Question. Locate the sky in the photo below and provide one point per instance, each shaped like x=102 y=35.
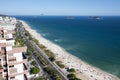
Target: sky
x=60 y=7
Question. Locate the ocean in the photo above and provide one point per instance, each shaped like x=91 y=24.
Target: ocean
x=95 y=41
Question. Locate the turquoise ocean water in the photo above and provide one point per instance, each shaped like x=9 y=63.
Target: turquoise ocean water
x=95 y=41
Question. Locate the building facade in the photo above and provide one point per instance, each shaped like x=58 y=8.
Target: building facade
x=12 y=59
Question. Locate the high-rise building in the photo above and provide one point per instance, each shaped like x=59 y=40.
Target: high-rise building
x=12 y=59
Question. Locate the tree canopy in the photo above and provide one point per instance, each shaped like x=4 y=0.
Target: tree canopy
x=35 y=70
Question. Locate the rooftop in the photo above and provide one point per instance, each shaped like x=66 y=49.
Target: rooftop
x=17 y=49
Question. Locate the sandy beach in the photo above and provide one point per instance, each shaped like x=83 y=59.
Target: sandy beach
x=84 y=71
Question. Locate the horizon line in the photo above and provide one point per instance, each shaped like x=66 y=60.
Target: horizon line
x=64 y=15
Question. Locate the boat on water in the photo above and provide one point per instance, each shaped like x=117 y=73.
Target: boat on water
x=95 y=17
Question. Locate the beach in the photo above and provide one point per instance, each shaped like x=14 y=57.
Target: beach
x=84 y=71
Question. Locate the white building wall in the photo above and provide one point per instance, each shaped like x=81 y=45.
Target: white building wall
x=19 y=77
x=10 y=35
x=8 y=48
x=12 y=42
x=19 y=66
x=8 y=27
x=18 y=57
x=5 y=30
x=2 y=41
x=7 y=62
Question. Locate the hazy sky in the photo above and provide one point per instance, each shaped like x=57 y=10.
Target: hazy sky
x=60 y=7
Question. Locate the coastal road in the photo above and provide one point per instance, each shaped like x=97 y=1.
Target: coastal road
x=45 y=74
x=21 y=31
x=46 y=57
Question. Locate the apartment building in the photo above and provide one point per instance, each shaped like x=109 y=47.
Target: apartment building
x=7 y=36
x=12 y=59
x=8 y=22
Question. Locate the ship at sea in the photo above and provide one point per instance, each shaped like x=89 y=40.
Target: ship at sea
x=96 y=17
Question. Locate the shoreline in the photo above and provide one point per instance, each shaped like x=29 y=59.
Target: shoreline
x=84 y=70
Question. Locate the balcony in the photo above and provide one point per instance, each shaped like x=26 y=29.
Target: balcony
x=12 y=70
x=15 y=74
x=15 y=62
x=11 y=58
x=6 y=37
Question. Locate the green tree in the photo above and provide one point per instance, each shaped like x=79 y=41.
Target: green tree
x=71 y=76
x=59 y=63
x=56 y=77
x=33 y=63
x=19 y=41
x=30 y=58
x=71 y=70
x=52 y=58
x=35 y=70
x=28 y=52
x=76 y=79
x=28 y=34
x=35 y=40
x=49 y=70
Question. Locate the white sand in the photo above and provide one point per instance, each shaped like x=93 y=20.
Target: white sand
x=83 y=70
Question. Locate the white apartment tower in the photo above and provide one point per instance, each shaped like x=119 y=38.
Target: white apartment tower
x=12 y=59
